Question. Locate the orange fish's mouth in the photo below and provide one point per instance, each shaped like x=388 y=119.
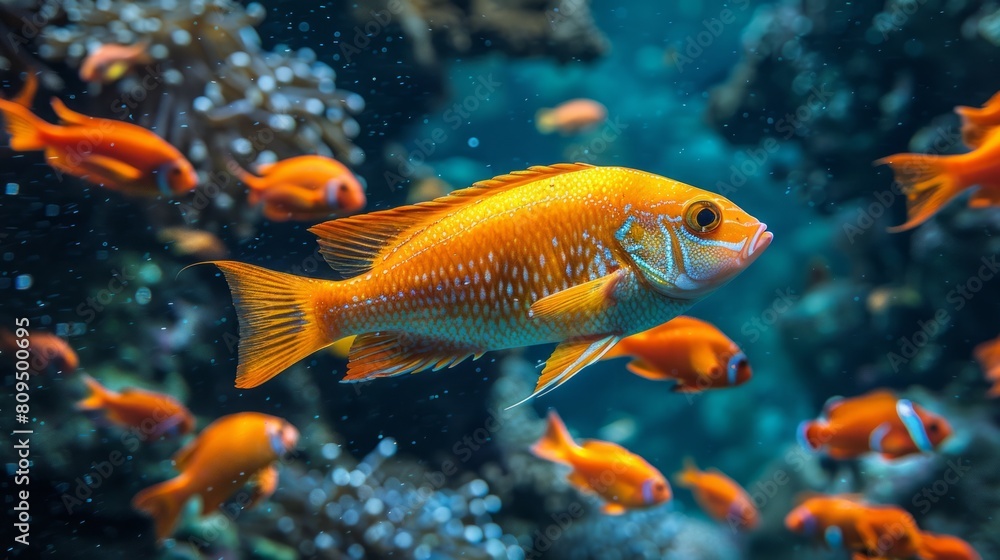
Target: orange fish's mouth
x=761 y=240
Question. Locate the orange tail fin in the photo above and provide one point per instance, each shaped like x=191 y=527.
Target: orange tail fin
x=279 y=323
x=99 y=395
x=556 y=444
x=687 y=475
x=27 y=132
x=163 y=502
x=928 y=183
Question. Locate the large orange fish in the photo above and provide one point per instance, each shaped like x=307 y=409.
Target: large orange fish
x=571 y=117
x=622 y=479
x=868 y=531
x=110 y=62
x=878 y=421
x=153 y=414
x=46 y=350
x=226 y=455
x=988 y=356
x=977 y=122
x=694 y=353
x=304 y=188
x=720 y=496
x=116 y=154
x=574 y=254
x=945 y=547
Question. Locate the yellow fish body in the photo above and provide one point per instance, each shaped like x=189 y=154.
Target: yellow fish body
x=569 y=253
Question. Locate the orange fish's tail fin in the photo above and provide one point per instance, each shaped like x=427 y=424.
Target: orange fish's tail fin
x=928 y=182
x=163 y=502
x=99 y=395
x=687 y=476
x=545 y=121
x=555 y=444
x=27 y=132
x=253 y=182
x=279 y=320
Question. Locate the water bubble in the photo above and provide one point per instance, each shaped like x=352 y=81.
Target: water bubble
x=51 y=210
x=143 y=295
x=473 y=142
x=330 y=451
x=286 y=524
x=23 y=282
x=12 y=188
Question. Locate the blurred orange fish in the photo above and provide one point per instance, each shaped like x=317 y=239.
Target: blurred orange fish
x=304 y=188
x=46 y=350
x=194 y=242
x=694 y=353
x=110 y=62
x=571 y=117
x=574 y=254
x=878 y=421
x=868 y=531
x=226 y=455
x=988 y=356
x=154 y=414
x=622 y=479
x=116 y=154
x=978 y=122
x=720 y=496
x=945 y=547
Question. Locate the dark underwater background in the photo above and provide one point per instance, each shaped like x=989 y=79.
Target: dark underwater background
x=780 y=106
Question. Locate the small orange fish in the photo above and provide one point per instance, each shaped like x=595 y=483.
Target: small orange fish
x=945 y=547
x=622 y=479
x=694 y=353
x=931 y=181
x=116 y=154
x=571 y=117
x=720 y=496
x=304 y=188
x=193 y=242
x=226 y=455
x=977 y=122
x=579 y=255
x=110 y=62
x=154 y=414
x=46 y=350
x=868 y=531
x=988 y=356
x=878 y=421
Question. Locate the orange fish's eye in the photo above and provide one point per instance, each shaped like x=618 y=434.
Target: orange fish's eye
x=703 y=216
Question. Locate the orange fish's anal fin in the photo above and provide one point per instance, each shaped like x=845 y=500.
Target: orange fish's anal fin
x=580 y=301
x=389 y=354
x=568 y=359
x=643 y=369
x=611 y=508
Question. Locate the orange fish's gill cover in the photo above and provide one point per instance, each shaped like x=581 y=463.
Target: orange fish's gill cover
x=579 y=255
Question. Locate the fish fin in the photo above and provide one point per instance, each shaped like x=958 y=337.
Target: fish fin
x=387 y=354
x=687 y=475
x=69 y=116
x=342 y=347
x=643 y=369
x=264 y=168
x=927 y=181
x=264 y=483
x=556 y=444
x=26 y=96
x=279 y=319
x=580 y=301
x=163 y=502
x=974 y=135
x=568 y=359
x=99 y=395
x=544 y=122
x=27 y=131
x=253 y=182
x=612 y=509
x=352 y=245
x=120 y=172
x=811 y=434
x=986 y=196
x=580 y=482
x=682 y=387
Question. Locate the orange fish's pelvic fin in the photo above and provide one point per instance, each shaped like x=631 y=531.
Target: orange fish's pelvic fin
x=388 y=354
x=278 y=319
x=556 y=444
x=582 y=300
x=927 y=182
x=99 y=395
x=568 y=359
x=612 y=509
x=163 y=502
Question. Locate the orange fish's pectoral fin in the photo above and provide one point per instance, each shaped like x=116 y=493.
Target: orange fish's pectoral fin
x=612 y=509
x=568 y=359
x=582 y=300
x=263 y=484
x=643 y=369
x=69 y=116
x=388 y=354
x=351 y=245
x=986 y=196
x=118 y=171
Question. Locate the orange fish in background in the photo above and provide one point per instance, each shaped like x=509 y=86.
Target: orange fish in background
x=977 y=122
x=988 y=356
x=304 y=188
x=193 y=242
x=877 y=422
x=226 y=455
x=110 y=62
x=719 y=496
x=868 y=531
x=622 y=479
x=945 y=547
x=579 y=255
x=46 y=350
x=693 y=352
x=571 y=117
x=154 y=414
x=119 y=155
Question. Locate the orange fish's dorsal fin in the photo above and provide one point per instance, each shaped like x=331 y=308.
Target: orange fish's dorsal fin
x=26 y=96
x=837 y=407
x=69 y=116
x=568 y=359
x=352 y=245
x=556 y=444
x=583 y=300
x=687 y=475
x=99 y=395
x=387 y=354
